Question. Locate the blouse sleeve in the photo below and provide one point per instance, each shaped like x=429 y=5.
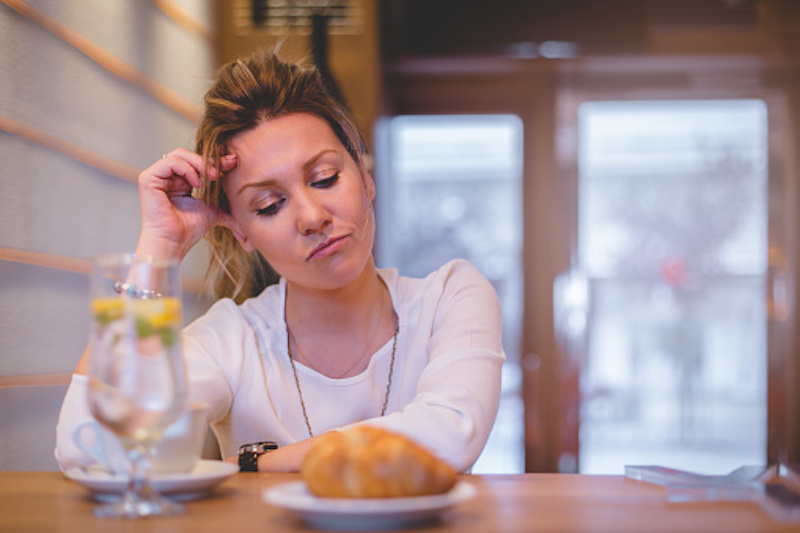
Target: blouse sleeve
x=213 y=349
x=74 y=411
x=201 y=342
x=458 y=392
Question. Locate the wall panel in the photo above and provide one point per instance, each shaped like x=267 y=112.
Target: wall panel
x=63 y=72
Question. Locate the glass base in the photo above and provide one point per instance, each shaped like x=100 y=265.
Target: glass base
x=132 y=506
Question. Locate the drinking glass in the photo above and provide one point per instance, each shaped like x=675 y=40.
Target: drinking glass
x=137 y=384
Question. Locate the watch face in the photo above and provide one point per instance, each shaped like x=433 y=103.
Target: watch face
x=257 y=447
x=254 y=447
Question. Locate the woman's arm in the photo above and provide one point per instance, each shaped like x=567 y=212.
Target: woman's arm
x=457 y=394
x=173 y=221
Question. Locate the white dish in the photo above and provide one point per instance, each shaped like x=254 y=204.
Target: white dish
x=362 y=514
x=195 y=484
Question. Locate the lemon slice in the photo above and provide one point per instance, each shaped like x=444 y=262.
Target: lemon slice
x=157 y=312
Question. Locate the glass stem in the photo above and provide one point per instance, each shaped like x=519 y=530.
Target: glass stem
x=139 y=484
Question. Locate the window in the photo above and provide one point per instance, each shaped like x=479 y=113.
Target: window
x=452 y=189
x=673 y=255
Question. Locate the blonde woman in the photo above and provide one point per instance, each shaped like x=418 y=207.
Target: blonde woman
x=308 y=336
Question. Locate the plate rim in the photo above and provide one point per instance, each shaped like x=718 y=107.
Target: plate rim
x=287 y=496
x=191 y=482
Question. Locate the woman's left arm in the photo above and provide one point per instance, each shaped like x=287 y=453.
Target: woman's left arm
x=458 y=392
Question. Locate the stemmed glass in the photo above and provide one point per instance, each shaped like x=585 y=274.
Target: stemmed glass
x=137 y=384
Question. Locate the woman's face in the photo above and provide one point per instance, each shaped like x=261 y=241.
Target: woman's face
x=299 y=198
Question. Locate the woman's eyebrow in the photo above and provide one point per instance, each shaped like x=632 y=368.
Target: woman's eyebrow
x=258 y=185
x=313 y=160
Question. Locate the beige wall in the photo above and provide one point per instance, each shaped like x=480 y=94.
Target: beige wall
x=52 y=204
x=57 y=104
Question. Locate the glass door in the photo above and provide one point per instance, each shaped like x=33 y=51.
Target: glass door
x=669 y=284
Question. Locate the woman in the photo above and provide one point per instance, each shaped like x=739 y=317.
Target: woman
x=335 y=341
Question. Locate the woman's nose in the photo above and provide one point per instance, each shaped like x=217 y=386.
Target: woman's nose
x=312 y=215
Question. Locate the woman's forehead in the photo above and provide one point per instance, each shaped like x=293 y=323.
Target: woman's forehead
x=285 y=146
x=289 y=139
x=297 y=127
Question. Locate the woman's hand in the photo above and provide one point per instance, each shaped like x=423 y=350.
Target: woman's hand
x=173 y=221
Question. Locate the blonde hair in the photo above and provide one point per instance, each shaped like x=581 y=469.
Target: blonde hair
x=246 y=93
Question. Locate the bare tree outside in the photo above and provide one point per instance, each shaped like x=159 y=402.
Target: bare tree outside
x=673 y=249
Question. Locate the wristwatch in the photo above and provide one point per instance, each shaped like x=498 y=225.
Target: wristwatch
x=249 y=454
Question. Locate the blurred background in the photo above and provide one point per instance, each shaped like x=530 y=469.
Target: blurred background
x=624 y=172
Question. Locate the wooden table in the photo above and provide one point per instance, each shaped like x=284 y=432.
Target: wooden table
x=47 y=501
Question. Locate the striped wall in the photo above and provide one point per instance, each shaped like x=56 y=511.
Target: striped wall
x=91 y=92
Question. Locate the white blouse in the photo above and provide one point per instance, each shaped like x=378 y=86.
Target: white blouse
x=445 y=385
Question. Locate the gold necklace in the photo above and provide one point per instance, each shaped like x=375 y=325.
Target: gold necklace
x=388 y=382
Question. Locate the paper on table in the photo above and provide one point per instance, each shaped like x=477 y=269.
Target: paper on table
x=775 y=488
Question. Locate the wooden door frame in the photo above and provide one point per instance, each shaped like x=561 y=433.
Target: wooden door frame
x=543 y=94
x=732 y=77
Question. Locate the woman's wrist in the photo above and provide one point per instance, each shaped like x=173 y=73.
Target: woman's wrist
x=159 y=249
x=286 y=458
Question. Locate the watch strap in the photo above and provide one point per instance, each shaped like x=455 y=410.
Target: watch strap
x=249 y=454
x=248 y=462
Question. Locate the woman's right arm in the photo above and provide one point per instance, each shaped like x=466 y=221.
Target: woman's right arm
x=173 y=220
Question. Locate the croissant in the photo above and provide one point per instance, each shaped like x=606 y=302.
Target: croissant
x=371 y=462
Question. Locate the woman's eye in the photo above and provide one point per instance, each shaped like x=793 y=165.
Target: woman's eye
x=326 y=182
x=271 y=209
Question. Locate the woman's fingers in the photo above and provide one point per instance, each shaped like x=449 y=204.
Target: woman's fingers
x=180 y=160
x=226 y=164
x=173 y=218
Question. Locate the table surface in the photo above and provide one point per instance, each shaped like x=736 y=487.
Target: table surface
x=48 y=501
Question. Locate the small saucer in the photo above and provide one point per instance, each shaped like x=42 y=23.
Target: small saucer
x=198 y=483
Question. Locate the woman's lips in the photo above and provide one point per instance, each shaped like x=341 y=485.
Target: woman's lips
x=327 y=248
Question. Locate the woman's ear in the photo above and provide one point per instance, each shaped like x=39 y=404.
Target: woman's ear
x=230 y=223
x=369 y=182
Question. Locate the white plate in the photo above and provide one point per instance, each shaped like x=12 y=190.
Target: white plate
x=195 y=484
x=360 y=514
